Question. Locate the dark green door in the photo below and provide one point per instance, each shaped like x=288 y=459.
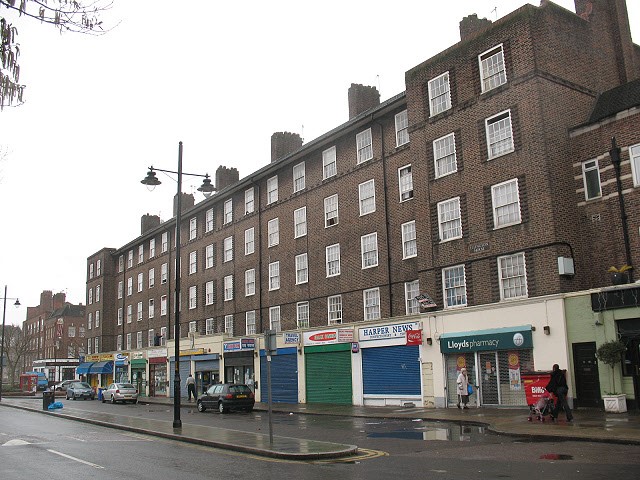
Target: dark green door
x=329 y=377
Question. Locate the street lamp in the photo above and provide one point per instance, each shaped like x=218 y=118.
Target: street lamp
x=151 y=181
x=4 y=314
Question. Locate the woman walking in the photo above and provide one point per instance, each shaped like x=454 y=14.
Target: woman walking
x=463 y=385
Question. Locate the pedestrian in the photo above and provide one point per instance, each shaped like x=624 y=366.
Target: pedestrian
x=463 y=386
x=558 y=386
x=191 y=387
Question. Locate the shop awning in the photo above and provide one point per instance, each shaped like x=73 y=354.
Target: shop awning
x=83 y=368
x=138 y=362
x=101 y=367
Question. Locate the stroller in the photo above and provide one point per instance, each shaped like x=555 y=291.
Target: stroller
x=542 y=408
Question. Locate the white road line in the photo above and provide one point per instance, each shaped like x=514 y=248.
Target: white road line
x=75 y=459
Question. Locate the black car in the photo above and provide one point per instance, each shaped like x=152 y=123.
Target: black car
x=227 y=396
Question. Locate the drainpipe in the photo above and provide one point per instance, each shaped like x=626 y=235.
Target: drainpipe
x=616 y=160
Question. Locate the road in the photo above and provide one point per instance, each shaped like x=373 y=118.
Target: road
x=36 y=446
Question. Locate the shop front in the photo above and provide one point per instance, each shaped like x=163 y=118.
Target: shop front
x=122 y=367
x=207 y=371
x=238 y=361
x=328 y=372
x=157 y=372
x=139 y=372
x=82 y=370
x=495 y=359
x=101 y=374
x=390 y=364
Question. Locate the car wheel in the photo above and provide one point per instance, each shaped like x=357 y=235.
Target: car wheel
x=221 y=408
x=113 y=399
x=67 y=397
x=249 y=409
x=103 y=400
x=135 y=402
x=201 y=407
x=74 y=397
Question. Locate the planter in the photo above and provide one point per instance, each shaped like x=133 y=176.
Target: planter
x=617 y=278
x=615 y=403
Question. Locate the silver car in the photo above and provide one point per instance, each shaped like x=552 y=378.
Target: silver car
x=78 y=390
x=120 y=392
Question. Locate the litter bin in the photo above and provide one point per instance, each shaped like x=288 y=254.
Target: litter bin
x=47 y=399
x=100 y=389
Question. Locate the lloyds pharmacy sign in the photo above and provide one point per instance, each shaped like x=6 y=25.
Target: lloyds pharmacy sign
x=483 y=340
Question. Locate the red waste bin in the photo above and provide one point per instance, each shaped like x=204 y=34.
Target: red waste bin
x=534 y=386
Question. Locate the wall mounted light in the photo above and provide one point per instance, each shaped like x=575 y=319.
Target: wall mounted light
x=299 y=351
x=533 y=328
x=547 y=330
x=429 y=340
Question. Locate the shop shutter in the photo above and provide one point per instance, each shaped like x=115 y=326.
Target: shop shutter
x=284 y=378
x=207 y=366
x=185 y=370
x=329 y=377
x=391 y=370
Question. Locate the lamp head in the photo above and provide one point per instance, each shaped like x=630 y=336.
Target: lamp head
x=151 y=181
x=206 y=188
x=17 y=304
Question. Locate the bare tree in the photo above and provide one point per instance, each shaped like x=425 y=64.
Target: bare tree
x=16 y=347
x=66 y=15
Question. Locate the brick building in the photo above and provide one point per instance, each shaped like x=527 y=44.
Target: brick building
x=462 y=188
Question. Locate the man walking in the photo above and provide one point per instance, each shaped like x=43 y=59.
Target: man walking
x=558 y=386
x=191 y=387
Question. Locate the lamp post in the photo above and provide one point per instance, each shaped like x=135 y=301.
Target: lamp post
x=4 y=315
x=151 y=181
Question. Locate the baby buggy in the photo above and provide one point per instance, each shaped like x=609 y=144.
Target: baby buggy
x=542 y=408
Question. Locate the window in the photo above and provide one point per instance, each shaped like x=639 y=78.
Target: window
x=371 y=300
x=152 y=248
x=90 y=321
x=302 y=268
x=98 y=267
x=128 y=341
x=228 y=211
x=300 y=222
x=439 y=94
x=329 y=163
x=208 y=219
x=97 y=293
x=512 y=274
x=411 y=291
x=402 y=128
x=120 y=315
x=152 y=277
x=228 y=288
x=334 y=309
x=506 y=203
x=409 y=243
x=165 y=242
x=120 y=289
x=330 y=211
x=634 y=157
x=150 y=337
x=152 y=309
x=273 y=228
x=454 y=286
x=193 y=327
x=364 y=146
x=163 y=274
x=250 y=322
x=193 y=262
x=274 y=275
x=249 y=282
x=228 y=249
x=163 y=305
x=120 y=264
x=249 y=242
x=130 y=259
x=248 y=201
x=119 y=343
x=138 y=339
x=140 y=281
x=302 y=309
x=208 y=254
x=449 y=220
x=405 y=183
x=88 y=345
x=209 y=326
x=193 y=300
x=163 y=336
x=492 y=71
x=209 y=293
x=444 y=154
x=333 y=260
x=272 y=190
x=228 y=324
x=129 y=313
x=139 y=312
x=367 y=195
x=591 y=179
x=499 y=134
x=90 y=302
x=140 y=253
x=299 y=180
x=274 y=318
x=71 y=331
x=91 y=271
x=193 y=228
x=369 y=249
x=129 y=286
x=96 y=344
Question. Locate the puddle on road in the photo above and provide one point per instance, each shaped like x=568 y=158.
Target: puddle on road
x=450 y=434
x=556 y=456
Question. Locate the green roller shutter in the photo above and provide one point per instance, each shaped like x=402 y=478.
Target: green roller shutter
x=329 y=375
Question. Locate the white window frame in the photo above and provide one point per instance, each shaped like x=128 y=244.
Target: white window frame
x=193 y=297
x=164 y=273
x=249 y=241
x=120 y=263
x=163 y=305
x=499 y=133
x=634 y=159
x=272 y=190
x=228 y=324
x=329 y=163
x=129 y=313
x=402 y=128
x=411 y=291
x=250 y=322
x=331 y=215
x=505 y=203
x=151 y=337
x=369 y=250
x=90 y=271
x=302 y=268
x=139 y=312
x=299 y=177
x=140 y=282
x=300 y=222
x=249 y=198
x=367 y=197
x=152 y=248
x=163 y=336
x=228 y=249
x=129 y=286
x=302 y=314
x=228 y=288
x=98 y=267
x=371 y=303
x=130 y=259
x=405 y=183
x=274 y=276
x=140 y=254
x=439 y=94
x=512 y=276
x=209 y=293
x=334 y=310
x=332 y=255
x=120 y=289
x=138 y=340
x=449 y=219
x=97 y=293
x=120 y=315
x=97 y=324
x=591 y=173
x=90 y=294
x=493 y=72
x=228 y=211
x=249 y=282
x=275 y=319
x=128 y=341
x=364 y=146
x=273 y=232
x=208 y=259
x=119 y=343
x=409 y=240
x=165 y=242
x=152 y=277
x=152 y=308
x=208 y=222
x=209 y=326
x=193 y=228
x=454 y=286
x=445 y=158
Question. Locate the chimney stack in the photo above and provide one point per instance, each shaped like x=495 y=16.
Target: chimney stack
x=59 y=300
x=148 y=222
x=471 y=25
x=188 y=201
x=226 y=177
x=361 y=99
x=284 y=143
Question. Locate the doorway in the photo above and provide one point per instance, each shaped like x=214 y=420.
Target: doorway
x=585 y=367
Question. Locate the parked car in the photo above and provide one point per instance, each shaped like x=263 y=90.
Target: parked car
x=120 y=392
x=62 y=386
x=81 y=390
x=227 y=396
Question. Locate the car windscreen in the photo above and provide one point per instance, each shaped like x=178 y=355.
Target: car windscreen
x=80 y=385
x=239 y=389
x=125 y=385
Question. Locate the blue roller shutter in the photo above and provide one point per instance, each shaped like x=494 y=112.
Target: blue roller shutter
x=185 y=370
x=391 y=370
x=284 y=377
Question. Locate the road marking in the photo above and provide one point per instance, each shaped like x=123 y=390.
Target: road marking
x=13 y=443
x=75 y=459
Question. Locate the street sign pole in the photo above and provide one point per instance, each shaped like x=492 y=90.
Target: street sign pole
x=271 y=349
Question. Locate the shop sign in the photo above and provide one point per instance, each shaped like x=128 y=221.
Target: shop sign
x=124 y=359
x=487 y=340
x=157 y=352
x=326 y=337
x=384 y=332
x=414 y=337
x=192 y=351
x=290 y=338
x=238 y=345
x=101 y=357
x=137 y=355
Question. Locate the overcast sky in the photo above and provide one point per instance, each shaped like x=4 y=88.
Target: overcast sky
x=219 y=76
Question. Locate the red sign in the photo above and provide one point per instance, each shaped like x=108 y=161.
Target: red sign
x=324 y=337
x=414 y=337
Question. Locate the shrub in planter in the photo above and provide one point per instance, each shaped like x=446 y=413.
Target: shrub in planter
x=610 y=353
